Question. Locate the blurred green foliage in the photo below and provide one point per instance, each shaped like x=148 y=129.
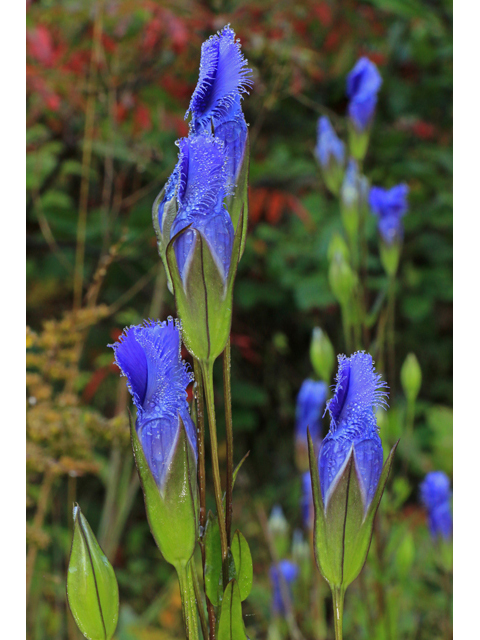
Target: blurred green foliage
x=134 y=66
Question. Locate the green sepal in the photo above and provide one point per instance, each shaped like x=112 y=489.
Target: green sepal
x=204 y=300
x=243 y=564
x=92 y=589
x=170 y=213
x=173 y=512
x=358 y=141
x=390 y=256
x=343 y=531
x=237 y=204
x=213 y=560
x=230 y=626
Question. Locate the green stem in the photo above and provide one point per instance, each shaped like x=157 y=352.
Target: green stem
x=227 y=393
x=207 y=374
x=391 y=335
x=198 y=597
x=201 y=450
x=189 y=604
x=338 y=594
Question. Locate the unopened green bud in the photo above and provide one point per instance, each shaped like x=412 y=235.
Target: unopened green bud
x=278 y=528
x=92 y=589
x=358 y=141
x=390 y=256
x=411 y=377
x=322 y=355
x=341 y=278
x=350 y=201
x=338 y=245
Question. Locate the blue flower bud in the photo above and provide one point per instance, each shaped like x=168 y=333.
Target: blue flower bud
x=330 y=153
x=436 y=495
x=307 y=500
x=289 y=572
x=310 y=403
x=353 y=426
x=363 y=83
x=149 y=356
x=389 y=205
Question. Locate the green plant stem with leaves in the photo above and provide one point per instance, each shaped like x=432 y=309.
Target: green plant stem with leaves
x=189 y=601
x=227 y=391
x=207 y=375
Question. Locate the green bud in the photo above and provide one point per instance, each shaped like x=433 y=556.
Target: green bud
x=172 y=513
x=390 y=257
x=411 y=377
x=92 y=589
x=358 y=141
x=338 y=245
x=341 y=279
x=343 y=532
x=322 y=355
x=278 y=527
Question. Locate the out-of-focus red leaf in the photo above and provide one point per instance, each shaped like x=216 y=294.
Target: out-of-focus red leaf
x=323 y=13
x=423 y=130
x=141 y=118
x=275 y=205
x=40 y=45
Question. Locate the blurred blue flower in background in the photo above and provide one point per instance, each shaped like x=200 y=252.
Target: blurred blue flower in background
x=436 y=494
x=329 y=146
x=389 y=205
x=363 y=83
x=289 y=571
x=307 y=500
x=358 y=392
x=149 y=356
x=310 y=403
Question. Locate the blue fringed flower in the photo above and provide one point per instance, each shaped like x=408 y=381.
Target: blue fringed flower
x=363 y=83
x=329 y=146
x=358 y=392
x=389 y=205
x=201 y=189
x=307 y=500
x=310 y=402
x=216 y=102
x=149 y=356
x=289 y=571
x=223 y=77
x=436 y=495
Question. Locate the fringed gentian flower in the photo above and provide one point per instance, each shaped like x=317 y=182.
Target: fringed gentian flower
x=436 y=495
x=389 y=205
x=307 y=500
x=353 y=425
x=200 y=216
x=200 y=193
x=216 y=102
x=363 y=83
x=149 y=356
x=289 y=572
x=330 y=153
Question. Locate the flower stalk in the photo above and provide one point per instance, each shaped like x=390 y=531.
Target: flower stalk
x=227 y=391
x=189 y=602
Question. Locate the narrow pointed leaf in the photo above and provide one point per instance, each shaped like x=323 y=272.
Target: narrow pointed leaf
x=235 y=473
x=230 y=626
x=213 y=560
x=243 y=564
x=92 y=588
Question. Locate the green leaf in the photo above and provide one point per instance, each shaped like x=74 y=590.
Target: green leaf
x=235 y=473
x=213 y=560
x=243 y=564
x=230 y=626
x=92 y=589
